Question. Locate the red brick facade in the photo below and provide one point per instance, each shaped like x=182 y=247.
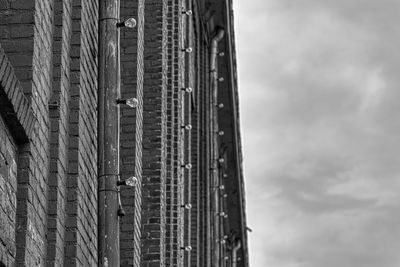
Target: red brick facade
x=188 y=206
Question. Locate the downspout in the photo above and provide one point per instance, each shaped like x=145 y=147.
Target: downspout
x=234 y=253
x=108 y=134
x=215 y=148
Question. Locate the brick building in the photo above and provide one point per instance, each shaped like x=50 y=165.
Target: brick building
x=182 y=141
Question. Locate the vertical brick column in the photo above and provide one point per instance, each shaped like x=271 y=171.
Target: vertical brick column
x=139 y=136
x=128 y=130
x=132 y=67
x=195 y=212
x=59 y=112
x=81 y=206
x=189 y=75
x=176 y=55
x=172 y=163
x=154 y=135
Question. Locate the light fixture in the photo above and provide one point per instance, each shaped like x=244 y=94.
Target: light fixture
x=187 y=50
x=220 y=187
x=187 y=127
x=220 y=133
x=121 y=212
x=221 y=214
x=130 y=102
x=221 y=79
x=187 y=89
x=222 y=241
x=187 y=248
x=221 y=54
x=225 y=175
x=187 y=206
x=187 y=166
x=128 y=23
x=131 y=181
x=221 y=160
x=220 y=105
x=225 y=195
x=226 y=258
x=187 y=12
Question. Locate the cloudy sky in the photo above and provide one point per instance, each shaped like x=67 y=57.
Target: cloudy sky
x=320 y=111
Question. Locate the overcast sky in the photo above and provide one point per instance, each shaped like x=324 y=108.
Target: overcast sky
x=320 y=113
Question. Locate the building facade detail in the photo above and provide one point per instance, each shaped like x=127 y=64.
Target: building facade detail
x=67 y=145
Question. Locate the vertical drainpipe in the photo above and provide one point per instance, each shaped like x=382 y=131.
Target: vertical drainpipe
x=234 y=253
x=108 y=134
x=214 y=124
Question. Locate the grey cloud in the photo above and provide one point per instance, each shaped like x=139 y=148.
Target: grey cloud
x=320 y=109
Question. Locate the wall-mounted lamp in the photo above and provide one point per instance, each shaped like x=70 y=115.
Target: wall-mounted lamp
x=130 y=102
x=121 y=212
x=221 y=79
x=187 y=166
x=225 y=175
x=187 y=127
x=221 y=214
x=220 y=187
x=186 y=248
x=131 y=181
x=221 y=54
x=225 y=195
x=220 y=133
x=222 y=241
x=220 y=105
x=221 y=160
x=187 y=50
x=128 y=23
x=187 y=12
x=187 y=206
x=187 y=89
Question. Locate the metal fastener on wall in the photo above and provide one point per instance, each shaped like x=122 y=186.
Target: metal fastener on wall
x=128 y=23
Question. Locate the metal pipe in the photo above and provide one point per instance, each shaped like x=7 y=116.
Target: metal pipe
x=108 y=133
x=213 y=126
x=234 y=253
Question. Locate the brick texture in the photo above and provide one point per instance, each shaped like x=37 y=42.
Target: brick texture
x=48 y=135
x=132 y=71
x=154 y=135
x=81 y=204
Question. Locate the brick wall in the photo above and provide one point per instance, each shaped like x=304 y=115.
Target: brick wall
x=61 y=111
x=132 y=67
x=8 y=197
x=17 y=121
x=48 y=135
x=81 y=204
x=59 y=108
x=154 y=135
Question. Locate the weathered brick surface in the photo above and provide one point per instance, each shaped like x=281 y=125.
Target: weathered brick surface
x=81 y=204
x=8 y=197
x=177 y=46
x=59 y=111
x=132 y=68
x=48 y=134
x=154 y=135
